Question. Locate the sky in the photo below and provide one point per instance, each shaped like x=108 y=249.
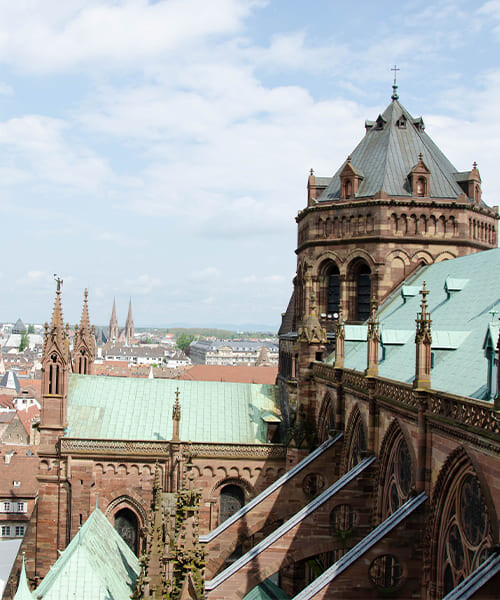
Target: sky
x=159 y=150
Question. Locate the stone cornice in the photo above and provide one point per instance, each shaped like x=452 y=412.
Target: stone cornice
x=403 y=203
x=399 y=240
x=459 y=413
x=147 y=449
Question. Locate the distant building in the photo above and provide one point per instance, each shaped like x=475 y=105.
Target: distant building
x=125 y=335
x=18 y=489
x=19 y=327
x=148 y=354
x=206 y=352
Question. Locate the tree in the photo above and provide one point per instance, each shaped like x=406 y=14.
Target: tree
x=184 y=340
x=31 y=328
x=24 y=341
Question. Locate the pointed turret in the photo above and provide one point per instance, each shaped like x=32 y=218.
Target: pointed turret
x=84 y=343
x=373 y=341
x=129 y=325
x=113 y=325
x=56 y=363
x=423 y=340
x=176 y=417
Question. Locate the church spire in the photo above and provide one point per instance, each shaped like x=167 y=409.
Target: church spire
x=56 y=363
x=84 y=343
x=129 y=325
x=113 y=325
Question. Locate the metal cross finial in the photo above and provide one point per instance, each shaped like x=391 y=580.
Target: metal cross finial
x=395 y=69
x=59 y=282
x=395 y=85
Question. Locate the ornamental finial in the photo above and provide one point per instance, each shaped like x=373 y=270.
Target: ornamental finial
x=395 y=95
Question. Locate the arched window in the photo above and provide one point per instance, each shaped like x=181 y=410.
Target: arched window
x=460 y=533
x=333 y=290
x=127 y=526
x=397 y=477
x=232 y=498
x=347 y=188
x=53 y=375
x=421 y=186
x=363 y=292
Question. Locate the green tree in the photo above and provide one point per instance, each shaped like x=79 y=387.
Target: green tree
x=31 y=328
x=184 y=340
x=24 y=341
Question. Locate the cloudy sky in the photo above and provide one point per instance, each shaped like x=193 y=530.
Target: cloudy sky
x=160 y=149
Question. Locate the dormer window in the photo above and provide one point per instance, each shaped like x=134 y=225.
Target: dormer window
x=419 y=178
x=380 y=122
x=419 y=124
x=347 y=188
x=401 y=122
x=421 y=187
x=477 y=193
x=350 y=180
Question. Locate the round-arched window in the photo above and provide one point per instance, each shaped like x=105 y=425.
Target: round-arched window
x=127 y=526
x=232 y=498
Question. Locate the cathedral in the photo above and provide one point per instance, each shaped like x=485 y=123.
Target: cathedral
x=370 y=470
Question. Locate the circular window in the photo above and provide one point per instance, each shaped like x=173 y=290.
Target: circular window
x=343 y=517
x=313 y=484
x=386 y=572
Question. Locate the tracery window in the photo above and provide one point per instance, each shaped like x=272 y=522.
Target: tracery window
x=357 y=447
x=465 y=534
x=397 y=478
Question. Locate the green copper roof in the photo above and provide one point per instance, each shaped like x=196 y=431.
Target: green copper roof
x=126 y=408
x=97 y=564
x=267 y=590
x=387 y=154
x=23 y=590
x=462 y=321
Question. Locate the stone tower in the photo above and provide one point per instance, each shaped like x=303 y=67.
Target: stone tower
x=113 y=325
x=395 y=204
x=56 y=364
x=84 y=343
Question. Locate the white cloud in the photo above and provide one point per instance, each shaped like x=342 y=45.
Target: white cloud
x=43 y=151
x=45 y=36
x=6 y=90
x=143 y=284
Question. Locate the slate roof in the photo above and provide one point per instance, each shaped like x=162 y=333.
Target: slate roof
x=121 y=408
x=96 y=564
x=387 y=154
x=461 y=321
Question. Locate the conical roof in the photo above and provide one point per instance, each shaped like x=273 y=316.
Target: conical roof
x=387 y=154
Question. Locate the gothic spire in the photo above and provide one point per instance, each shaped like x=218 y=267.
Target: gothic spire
x=85 y=321
x=113 y=324
x=84 y=343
